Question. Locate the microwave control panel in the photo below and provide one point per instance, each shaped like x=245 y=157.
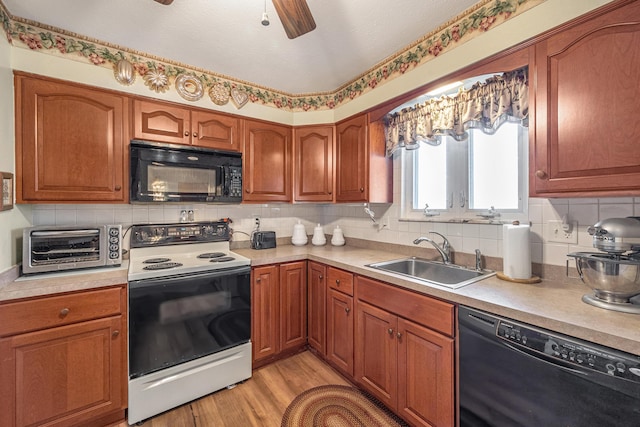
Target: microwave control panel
x=234 y=182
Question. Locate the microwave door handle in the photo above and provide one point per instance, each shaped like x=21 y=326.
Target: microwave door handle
x=64 y=233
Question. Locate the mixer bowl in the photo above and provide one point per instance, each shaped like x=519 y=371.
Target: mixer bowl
x=614 y=278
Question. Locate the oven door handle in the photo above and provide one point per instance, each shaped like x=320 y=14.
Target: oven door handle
x=158 y=281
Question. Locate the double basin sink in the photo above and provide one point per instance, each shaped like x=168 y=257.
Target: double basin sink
x=448 y=275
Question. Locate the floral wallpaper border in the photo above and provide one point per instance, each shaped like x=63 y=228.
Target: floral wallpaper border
x=159 y=74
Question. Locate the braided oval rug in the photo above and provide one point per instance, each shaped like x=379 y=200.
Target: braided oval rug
x=337 y=406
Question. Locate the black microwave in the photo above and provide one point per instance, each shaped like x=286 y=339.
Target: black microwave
x=175 y=173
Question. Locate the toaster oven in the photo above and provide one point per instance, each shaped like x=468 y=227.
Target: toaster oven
x=58 y=248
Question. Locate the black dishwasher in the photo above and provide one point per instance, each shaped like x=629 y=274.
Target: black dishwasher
x=515 y=374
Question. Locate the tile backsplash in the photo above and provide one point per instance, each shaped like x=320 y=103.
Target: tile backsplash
x=356 y=224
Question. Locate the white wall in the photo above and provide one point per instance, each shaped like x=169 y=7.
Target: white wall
x=12 y=221
x=464 y=237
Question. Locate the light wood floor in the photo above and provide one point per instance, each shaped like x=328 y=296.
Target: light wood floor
x=259 y=401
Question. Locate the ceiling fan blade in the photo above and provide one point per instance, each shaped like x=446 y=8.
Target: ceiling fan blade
x=295 y=16
x=167 y=2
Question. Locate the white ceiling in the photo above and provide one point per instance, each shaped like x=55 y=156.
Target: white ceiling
x=226 y=37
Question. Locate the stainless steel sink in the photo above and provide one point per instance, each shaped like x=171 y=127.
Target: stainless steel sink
x=448 y=275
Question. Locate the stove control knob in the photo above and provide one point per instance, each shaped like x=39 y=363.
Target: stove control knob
x=621 y=367
x=207 y=229
x=580 y=358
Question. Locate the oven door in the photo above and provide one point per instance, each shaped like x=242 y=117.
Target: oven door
x=179 y=318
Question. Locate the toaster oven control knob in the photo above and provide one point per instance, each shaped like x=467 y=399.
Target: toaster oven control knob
x=113 y=232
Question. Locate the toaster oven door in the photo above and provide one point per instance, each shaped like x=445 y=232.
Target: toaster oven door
x=63 y=249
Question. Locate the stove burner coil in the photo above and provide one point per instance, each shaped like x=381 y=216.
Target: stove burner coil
x=162 y=266
x=222 y=259
x=156 y=260
x=211 y=255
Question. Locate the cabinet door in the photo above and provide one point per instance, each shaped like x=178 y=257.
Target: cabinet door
x=586 y=108
x=157 y=121
x=352 y=167
x=425 y=376
x=317 y=306
x=68 y=375
x=213 y=130
x=264 y=316
x=70 y=142
x=267 y=162
x=375 y=350
x=340 y=330
x=293 y=305
x=313 y=176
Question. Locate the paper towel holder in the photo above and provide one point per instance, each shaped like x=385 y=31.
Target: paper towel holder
x=502 y=276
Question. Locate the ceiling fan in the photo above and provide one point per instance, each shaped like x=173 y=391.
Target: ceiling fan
x=295 y=16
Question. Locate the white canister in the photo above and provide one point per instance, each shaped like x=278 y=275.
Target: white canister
x=338 y=237
x=318 y=238
x=299 y=237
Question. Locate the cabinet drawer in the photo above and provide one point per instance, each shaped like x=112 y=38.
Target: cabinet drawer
x=48 y=312
x=340 y=280
x=430 y=312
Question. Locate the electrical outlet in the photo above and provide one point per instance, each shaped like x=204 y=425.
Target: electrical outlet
x=559 y=234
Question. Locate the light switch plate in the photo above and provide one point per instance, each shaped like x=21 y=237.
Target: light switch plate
x=557 y=234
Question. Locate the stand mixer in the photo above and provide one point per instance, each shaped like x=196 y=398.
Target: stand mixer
x=613 y=273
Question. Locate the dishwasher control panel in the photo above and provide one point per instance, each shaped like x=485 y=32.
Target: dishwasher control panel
x=590 y=356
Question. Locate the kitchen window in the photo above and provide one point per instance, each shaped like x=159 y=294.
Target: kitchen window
x=480 y=178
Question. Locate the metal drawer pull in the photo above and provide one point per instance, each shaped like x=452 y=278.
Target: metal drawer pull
x=338 y=282
x=320 y=277
x=390 y=331
x=347 y=309
x=64 y=312
x=399 y=335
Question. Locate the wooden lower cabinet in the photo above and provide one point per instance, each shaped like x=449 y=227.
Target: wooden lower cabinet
x=405 y=364
x=279 y=310
x=316 y=304
x=340 y=331
x=68 y=375
x=340 y=321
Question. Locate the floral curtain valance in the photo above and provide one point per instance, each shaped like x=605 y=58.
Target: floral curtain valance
x=486 y=105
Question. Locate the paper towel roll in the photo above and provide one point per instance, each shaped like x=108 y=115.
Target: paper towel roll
x=516 y=251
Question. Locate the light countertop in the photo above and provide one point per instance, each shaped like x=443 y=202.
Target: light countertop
x=554 y=305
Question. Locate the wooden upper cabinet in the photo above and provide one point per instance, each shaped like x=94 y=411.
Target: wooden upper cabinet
x=587 y=99
x=214 y=130
x=164 y=122
x=70 y=142
x=363 y=172
x=156 y=121
x=313 y=170
x=266 y=162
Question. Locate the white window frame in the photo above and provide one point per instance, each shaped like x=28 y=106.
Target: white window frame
x=459 y=183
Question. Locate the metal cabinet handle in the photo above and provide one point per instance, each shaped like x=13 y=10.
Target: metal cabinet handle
x=399 y=335
x=320 y=277
x=195 y=134
x=338 y=282
x=115 y=333
x=362 y=189
x=390 y=331
x=186 y=133
x=347 y=309
x=64 y=312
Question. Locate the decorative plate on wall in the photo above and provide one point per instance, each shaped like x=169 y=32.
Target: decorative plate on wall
x=219 y=94
x=189 y=87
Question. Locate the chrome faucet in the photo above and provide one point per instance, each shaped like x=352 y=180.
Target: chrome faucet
x=445 y=250
x=478 y=260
